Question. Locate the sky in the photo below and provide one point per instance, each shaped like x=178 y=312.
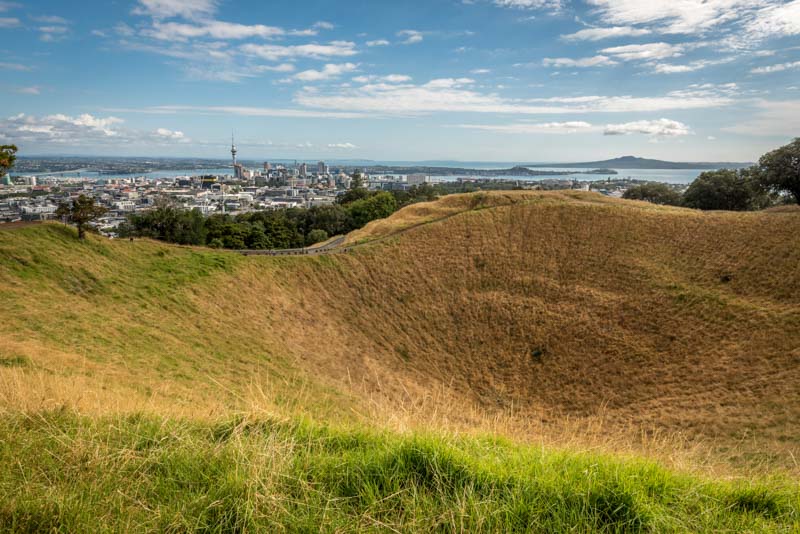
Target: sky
x=468 y=80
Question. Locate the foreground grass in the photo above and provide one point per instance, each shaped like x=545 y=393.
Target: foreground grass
x=66 y=473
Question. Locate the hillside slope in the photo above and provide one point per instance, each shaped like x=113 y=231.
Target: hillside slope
x=545 y=308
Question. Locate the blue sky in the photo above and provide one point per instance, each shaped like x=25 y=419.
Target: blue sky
x=474 y=80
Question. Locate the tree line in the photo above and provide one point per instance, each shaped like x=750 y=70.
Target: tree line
x=271 y=229
x=775 y=179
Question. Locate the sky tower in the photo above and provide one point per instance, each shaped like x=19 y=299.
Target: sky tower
x=233 y=150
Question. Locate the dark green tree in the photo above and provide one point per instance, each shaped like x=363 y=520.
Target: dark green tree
x=375 y=207
x=168 y=222
x=655 y=193
x=8 y=155
x=316 y=236
x=726 y=189
x=356 y=192
x=357 y=181
x=80 y=212
x=779 y=170
x=333 y=220
x=256 y=238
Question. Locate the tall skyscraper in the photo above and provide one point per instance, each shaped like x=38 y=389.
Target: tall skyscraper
x=233 y=151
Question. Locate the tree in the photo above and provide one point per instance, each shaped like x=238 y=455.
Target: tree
x=168 y=222
x=376 y=207
x=333 y=219
x=726 y=189
x=356 y=192
x=779 y=170
x=80 y=212
x=316 y=236
x=655 y=193
x=357 y=182
x=8 y=155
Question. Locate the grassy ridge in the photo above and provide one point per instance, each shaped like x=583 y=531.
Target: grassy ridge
x=558 y=305
x=124 y=326
x=568 y=320
x=67 y=473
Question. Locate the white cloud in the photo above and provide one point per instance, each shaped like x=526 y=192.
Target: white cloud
x=534 y=128
x=480 y=71
x=84 y=130
x=32 y=90
x=200 y=52
x=396 y=78
x=649 y=51
x=772 y=118
x=9 y=22
x=15 y=66
x=655 y=128
x=455 y=95
x=596 y=34
x=8 y=6
x=283 y=67
x=391 y=78
x=240 y=111
x=52 y=33
x=448 y=83
x=331 y=70
x=342 y=146
x=170 y=135
x=220 y=73
x=60 y=128
x=676 y=16
x=215 y=29
x=314 y=51
x=410 y=36
x=163 y=9
x=188 y=30
x=378 y=42
x=529 y=4
x=50 y=19
x=776 y=20
x=124 y=30
x=776 y=68
x=565 y=62
x=666 y=68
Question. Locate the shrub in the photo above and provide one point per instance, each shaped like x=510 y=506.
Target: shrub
x=726 y=189
x=316 y=236
x=655 y=193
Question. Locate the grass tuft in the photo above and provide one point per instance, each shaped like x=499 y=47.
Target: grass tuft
x=78 y=474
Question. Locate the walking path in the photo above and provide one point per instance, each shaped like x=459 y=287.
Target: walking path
x=331 y=247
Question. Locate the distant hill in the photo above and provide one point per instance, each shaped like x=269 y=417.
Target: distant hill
x=632 y=162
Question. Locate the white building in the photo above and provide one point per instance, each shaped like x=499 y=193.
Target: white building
x=124 y=205
x=418 y=179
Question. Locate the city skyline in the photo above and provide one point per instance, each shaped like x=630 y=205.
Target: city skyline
x=469 y=80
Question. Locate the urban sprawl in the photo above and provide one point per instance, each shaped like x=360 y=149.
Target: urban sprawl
x=280 y=186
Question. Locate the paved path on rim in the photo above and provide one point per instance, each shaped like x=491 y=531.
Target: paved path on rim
x=331 y=247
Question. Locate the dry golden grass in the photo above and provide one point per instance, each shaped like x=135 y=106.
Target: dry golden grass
x=563 y=318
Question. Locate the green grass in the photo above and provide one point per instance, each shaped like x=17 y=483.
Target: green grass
x=65 y=473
